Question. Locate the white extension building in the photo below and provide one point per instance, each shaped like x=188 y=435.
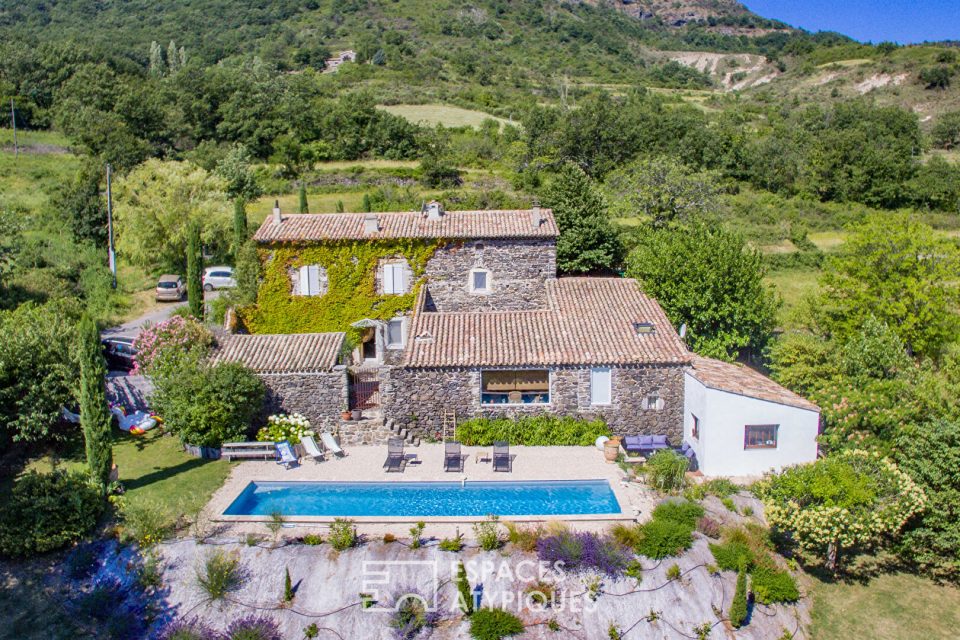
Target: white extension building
x=741 y=423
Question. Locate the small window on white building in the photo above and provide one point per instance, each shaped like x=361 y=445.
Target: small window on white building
x=696 y=427
x=760 y=436
x=313 y=280
x=601 y=391
x=479 y=281
x=395 y=333
x=394 y=278
x=653 y=401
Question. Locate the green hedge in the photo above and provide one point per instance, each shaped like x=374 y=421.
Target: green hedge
x=542 y=430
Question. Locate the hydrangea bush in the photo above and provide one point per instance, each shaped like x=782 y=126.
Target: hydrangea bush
x=169 y=340
x=285 y=427
x=854 y=500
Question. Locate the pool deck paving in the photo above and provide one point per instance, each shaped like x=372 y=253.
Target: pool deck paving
x=365 y=464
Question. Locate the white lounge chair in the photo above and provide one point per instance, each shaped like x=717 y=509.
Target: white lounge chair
x=330 y=444
x=311 y=449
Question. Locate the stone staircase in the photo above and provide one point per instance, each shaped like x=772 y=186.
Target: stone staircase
x=401 y=432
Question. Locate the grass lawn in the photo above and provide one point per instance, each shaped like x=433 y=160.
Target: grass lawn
x=891 y=607
x=793 y=285
x=434 y=114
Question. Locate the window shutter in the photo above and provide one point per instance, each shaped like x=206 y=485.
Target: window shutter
x=600 y=385
x=304 y=281
x=393 y=278
x=399 y=284
x=313 y=278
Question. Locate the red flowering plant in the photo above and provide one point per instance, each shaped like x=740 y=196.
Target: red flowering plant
x=168 y=342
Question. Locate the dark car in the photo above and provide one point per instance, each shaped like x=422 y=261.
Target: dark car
x=119 y=353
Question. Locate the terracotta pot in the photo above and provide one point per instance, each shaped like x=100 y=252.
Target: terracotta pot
x=611 y=449
x=345 y=415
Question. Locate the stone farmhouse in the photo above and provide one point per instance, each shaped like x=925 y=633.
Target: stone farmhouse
x=490 y=330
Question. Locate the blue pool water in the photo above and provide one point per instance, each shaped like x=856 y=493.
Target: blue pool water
x=422 y=499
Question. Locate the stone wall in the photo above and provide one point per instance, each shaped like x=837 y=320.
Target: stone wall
x=517 y=271
x=417 y=398
x=320 y=397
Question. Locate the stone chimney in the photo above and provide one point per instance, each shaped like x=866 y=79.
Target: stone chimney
x=370 y=223
x=433 y=210
x=277 y=218
x=536 y=216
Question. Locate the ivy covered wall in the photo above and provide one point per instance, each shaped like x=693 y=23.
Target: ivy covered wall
x=352 y=294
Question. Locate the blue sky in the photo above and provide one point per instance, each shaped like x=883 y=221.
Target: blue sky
x=903 y=21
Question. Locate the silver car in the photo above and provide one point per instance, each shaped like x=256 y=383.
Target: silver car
x=218 y=278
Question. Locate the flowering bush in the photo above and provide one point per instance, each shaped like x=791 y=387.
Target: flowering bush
x=168 y=341
x=852 y=500
x=285 y=427
x=584 y=550
x=253 y=627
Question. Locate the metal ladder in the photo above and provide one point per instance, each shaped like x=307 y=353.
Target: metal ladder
x=449 y=425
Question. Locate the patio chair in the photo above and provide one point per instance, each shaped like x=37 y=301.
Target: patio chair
x=311 y=449
x=331 y=445
x=395 y=459
x=452 y=458
x=285 y=454
x=502 y=460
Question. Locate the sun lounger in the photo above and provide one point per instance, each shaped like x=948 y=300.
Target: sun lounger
x=286 y=455
x=395 y=459
x=330 y=444
x=311 y=449
x=502 y=460
x=452 y=458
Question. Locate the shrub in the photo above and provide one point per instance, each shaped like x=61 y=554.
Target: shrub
x=673 y=572
x=541 y=592
x=729 y=505
x=193 y=629
x=163 y=345
x=685 y=513
x=389 y=538
x=664 y=538
x=708 y=527
x=287 y=586
x=738 y=607
x=541 y=430
x=665 y=470
x=629 y=535
x=452 y=544
x=584 y=550
x=488 y=533
x=285 y=427
x=524 y=538
x=220 y=574
x=731 y=554
x=494 y=624
x=720 y=487
x=464 y=592
x=416 y=531
x=411 y=615
x=312 y=539
x=149 y=573
x=634 y=570
x=771 y=585
x=146 y=522
x=48 y=511
x=253 y=627
x=342 y=535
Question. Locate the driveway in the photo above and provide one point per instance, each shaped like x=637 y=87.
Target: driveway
x=132 y=328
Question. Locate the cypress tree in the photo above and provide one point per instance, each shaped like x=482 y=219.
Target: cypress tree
x=287 y=587
x=463 y=588
x=172 y=58
x=194 y=281
x=738 y=608
x=367 y=203
x=94 y=412
x=239 y=226
x=304 y=207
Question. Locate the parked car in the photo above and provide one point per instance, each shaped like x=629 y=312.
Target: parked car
x=218 y=278
x=120 y=353
x=170 y=287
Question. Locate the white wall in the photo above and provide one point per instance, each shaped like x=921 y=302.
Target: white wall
x=724 y=415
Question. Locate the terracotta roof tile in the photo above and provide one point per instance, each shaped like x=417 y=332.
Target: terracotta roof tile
x=588 y=321
x=289 y=353
x=453 y=224
x=744 y=381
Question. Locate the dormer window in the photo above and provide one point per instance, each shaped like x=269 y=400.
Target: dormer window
x=479 y=281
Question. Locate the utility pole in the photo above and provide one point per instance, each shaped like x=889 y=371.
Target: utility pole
x=13 y=123
x=111 y=253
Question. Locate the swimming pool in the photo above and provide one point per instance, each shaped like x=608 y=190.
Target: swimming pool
x=425 y=499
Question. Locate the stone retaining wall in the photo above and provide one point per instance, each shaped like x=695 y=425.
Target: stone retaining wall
x=320 y=397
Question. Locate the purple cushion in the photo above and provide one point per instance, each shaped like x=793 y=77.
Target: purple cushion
x=646 y=440
x=659 y=440
x=631 y=441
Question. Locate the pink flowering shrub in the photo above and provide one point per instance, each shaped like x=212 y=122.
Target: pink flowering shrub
x=168 y=341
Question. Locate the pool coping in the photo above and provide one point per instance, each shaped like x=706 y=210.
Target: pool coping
x=465 y=519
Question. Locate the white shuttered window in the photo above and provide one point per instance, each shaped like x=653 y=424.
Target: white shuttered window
x=393 y=279
x=601 y=391
x=310 y=280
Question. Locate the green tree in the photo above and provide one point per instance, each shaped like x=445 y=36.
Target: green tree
x=738 y=607
x=899 y=271
x=303 y=207
x=247 y=273
x=81 y=201
x=234 y=168
x=95 y=418
x=946 y=131
x=930 y=453
x=464 y=592
x=194 y=271
x=240 y=233
x=708 y=279
x=661 y=191
x=936 y=77
x=588 y=241
x=156 y=65
x=155 y=204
